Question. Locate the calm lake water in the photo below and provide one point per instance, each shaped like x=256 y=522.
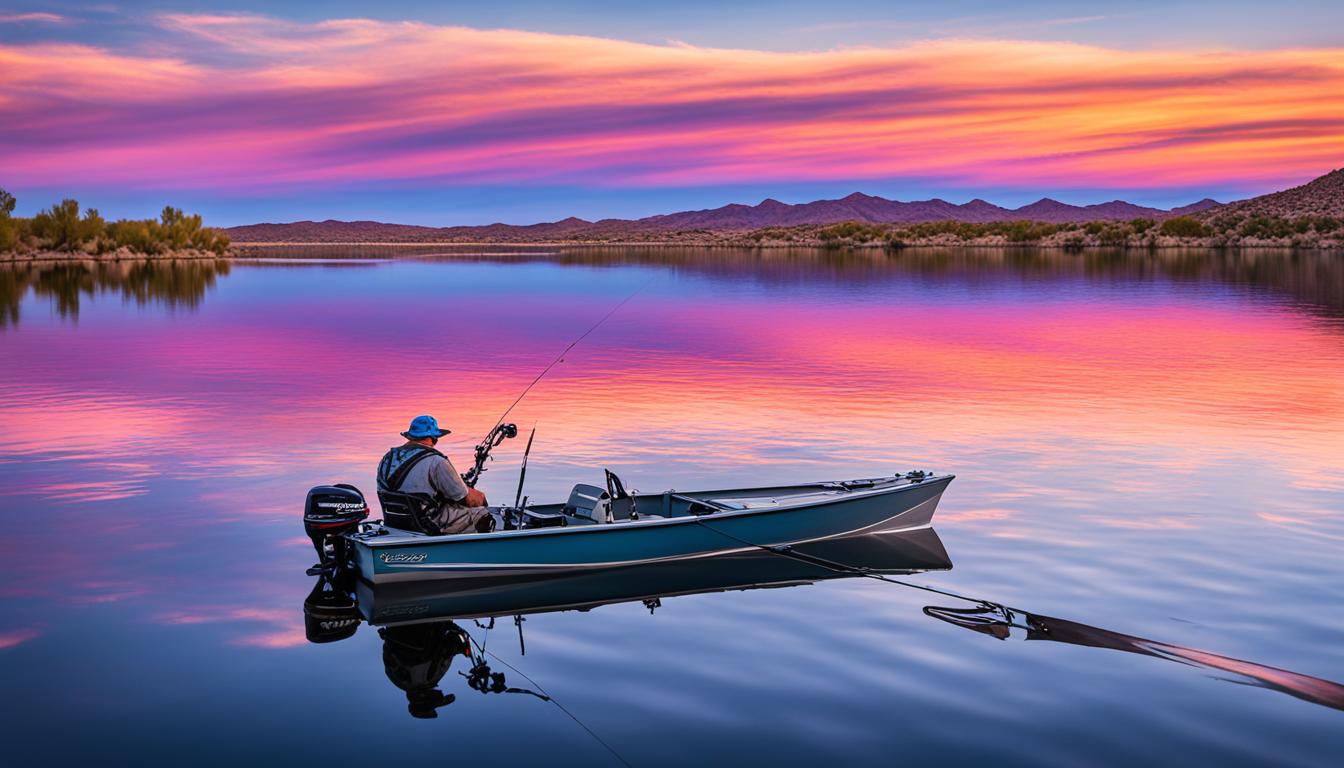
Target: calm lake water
x=1147 y=444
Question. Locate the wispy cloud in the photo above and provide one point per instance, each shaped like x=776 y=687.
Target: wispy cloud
x=18 y=18
x=251 y=102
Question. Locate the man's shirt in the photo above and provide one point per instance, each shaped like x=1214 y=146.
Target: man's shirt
x=433 y=476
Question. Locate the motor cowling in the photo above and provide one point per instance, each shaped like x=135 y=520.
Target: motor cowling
x=329 y=512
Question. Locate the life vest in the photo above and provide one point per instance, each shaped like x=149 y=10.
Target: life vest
x=397 y=464
x=407 y=511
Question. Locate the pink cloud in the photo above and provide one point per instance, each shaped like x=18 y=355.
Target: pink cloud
x=18 y=18
x=249 y=102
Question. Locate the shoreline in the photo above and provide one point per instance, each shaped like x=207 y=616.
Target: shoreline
x=1170 y=244
x=244 y=251
x=111 y=257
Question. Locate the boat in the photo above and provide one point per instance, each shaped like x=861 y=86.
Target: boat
x=604 y=528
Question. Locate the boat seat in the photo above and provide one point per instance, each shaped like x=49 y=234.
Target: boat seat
x=621 y=508
x=590 y=502
x=409 y=512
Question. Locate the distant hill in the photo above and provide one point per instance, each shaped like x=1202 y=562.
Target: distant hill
x=330 y=230
x=1193 y=208
x=1323 y=196
x=736 y=217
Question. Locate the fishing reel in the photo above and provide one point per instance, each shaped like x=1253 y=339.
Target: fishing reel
x=499 y=434
x=481 y=679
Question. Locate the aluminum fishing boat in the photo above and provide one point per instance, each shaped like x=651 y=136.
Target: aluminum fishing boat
x=601 y=528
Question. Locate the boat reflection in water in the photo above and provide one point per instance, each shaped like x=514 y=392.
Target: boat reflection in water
x=418 y=622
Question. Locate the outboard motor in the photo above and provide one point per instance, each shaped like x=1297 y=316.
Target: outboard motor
x=333 y=510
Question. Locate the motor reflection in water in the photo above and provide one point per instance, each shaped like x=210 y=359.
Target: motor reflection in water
x=421 y=637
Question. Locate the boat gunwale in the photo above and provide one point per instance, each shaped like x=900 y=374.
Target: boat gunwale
x=409 y=539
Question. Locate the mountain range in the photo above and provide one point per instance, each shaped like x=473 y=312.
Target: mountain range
x=1323 y=196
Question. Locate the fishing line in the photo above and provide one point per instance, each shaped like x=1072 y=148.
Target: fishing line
x=560 y=357
x=562 y=708
x=787 y=551
x=548 y=697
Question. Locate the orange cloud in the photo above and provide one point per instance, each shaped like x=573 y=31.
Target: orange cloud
x=250 y=101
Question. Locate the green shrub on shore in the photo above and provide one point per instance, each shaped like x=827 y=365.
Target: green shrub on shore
x=61 y=228
x=1010 y=231
x=9 y=228
x=1183 y=226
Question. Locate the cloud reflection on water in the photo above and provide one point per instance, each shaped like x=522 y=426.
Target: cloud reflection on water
x=1054 y=384
x=1144 y=442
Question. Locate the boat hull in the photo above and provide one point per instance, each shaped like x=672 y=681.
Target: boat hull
x=386 y=555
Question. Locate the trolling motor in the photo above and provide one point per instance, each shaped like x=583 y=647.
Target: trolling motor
x=330 y=512
x=499 y=434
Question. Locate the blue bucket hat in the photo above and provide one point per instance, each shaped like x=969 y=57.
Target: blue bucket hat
x=424 y=426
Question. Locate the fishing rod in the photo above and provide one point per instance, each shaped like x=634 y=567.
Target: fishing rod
x=502 y=431
x=522 y=473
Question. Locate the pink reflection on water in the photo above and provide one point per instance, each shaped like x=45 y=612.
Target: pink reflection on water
x=15 y=637
x=195 y=424
x=752 y=377
x=284 y=628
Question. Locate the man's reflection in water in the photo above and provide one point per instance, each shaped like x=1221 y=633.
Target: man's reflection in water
x=417 y=656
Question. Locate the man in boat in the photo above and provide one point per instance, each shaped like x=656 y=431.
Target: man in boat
x=418 y=469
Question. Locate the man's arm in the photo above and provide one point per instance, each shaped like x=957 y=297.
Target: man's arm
x=448 y=482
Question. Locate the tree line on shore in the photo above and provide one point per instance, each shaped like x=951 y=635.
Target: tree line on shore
x=62 y=228
x=1216 y=231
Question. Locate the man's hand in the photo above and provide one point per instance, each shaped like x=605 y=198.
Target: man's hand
x=474 y=498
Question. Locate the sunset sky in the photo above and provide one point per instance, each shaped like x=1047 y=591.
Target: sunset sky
x=456 y=113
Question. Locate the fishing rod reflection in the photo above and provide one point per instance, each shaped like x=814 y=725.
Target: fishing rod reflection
x=422 y=624
x=1000 y=622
